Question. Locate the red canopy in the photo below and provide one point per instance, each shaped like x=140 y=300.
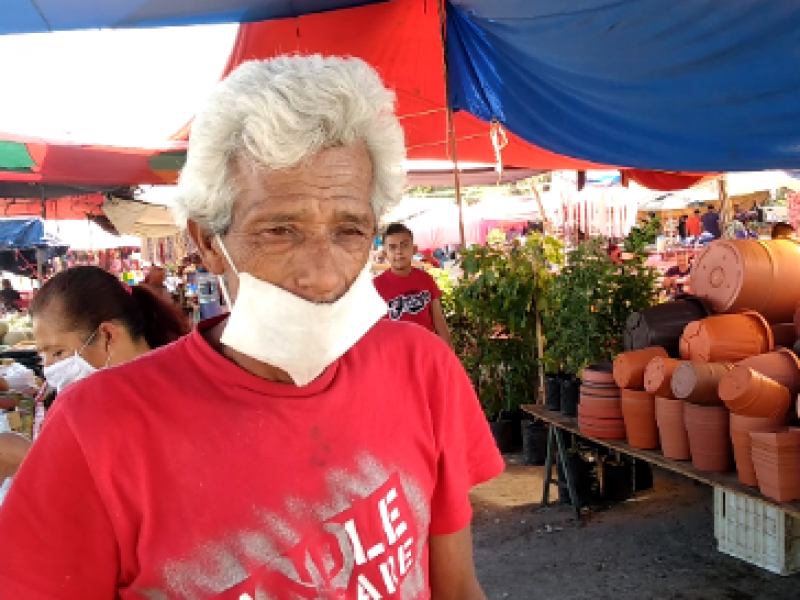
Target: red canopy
x=401 y=40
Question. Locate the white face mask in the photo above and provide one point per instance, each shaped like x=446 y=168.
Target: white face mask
x=302 y=338
x=71 y=369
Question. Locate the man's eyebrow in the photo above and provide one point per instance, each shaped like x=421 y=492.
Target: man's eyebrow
x=351 y=217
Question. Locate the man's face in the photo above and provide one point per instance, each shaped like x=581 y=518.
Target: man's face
x=683 y=261
x=307 y=229
x=399 y=250
x=157 y=276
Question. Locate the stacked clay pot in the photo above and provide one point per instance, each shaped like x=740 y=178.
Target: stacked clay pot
x=708 y=428
x=741 y=428
x=639 y=413
x=599 y=409
x=672 y=433
x=726 y=338
x=776 y=459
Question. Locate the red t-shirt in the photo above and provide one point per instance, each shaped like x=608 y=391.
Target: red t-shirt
x=409 y=297
x=693 y=228
x=182 y=476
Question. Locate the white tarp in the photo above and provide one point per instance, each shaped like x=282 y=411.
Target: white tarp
x=132 y=217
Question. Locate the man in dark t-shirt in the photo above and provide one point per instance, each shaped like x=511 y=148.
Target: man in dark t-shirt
x=677 y=276
x=710 y=222
x=8 y=295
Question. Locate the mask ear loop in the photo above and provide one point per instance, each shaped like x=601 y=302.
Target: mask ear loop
x=221 y=278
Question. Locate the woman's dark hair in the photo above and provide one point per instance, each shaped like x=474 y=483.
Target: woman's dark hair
x=780 y=230
x=89 y=296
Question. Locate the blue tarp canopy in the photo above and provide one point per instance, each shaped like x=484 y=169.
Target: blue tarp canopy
x=25 y=234
x=32 y=16
x=23 y=242
x=698 y=85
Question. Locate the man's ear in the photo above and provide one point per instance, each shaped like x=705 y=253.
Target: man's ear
x=209 y=251
x=414 y=249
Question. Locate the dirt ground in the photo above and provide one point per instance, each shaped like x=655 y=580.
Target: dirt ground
x=659 y=545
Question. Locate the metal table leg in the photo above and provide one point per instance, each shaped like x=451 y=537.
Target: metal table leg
x=562 y=456
x=548 y=465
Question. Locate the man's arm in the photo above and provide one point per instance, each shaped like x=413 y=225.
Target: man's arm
x=452 y=568
x=440 y=323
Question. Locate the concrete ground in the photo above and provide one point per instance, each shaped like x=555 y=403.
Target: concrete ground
x=659 y=545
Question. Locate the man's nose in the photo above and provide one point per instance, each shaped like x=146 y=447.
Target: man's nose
x=319 y=279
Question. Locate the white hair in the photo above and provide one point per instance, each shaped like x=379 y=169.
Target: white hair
x=279 y=112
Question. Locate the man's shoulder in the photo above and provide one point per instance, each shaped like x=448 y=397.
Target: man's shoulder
x=404 y=337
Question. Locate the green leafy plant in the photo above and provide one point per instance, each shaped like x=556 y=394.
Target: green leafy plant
x=589 y=302
x=642 y=236
x=492 y=315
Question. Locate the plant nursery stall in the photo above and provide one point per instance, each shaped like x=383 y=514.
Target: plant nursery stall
x=707 y=386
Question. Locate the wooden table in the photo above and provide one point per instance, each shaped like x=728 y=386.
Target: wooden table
x=727 y=481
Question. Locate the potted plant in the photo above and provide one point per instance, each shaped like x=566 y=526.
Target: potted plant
x=492 y=313
x=589 y=301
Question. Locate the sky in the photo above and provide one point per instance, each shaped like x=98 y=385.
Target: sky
x=126 y=87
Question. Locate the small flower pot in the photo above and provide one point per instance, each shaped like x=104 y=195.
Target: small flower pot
x=672 y=433
x=698 y=382
x=629 y=367
x=534 y=442
x=639 y=412
x=658 y=376
x=726 y=338
x=749 y=393
x=601 y=374
x=503 y=435
x=709 y=437
x=552 y=392
x=781 y=365
x=741 y=427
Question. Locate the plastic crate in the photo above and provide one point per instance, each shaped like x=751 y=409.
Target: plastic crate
x=756 y=532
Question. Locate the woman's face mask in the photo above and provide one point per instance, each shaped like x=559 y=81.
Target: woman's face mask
x=71 y=369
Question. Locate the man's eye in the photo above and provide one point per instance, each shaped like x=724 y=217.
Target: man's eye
x=280 y=231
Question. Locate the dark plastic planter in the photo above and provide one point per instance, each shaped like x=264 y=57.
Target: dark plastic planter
x=503 y=432
x=552 y=392
x=534 y=443
x=663 y=324
x=570 y=396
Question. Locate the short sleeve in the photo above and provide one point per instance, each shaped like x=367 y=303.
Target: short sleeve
x=56 y=538
x=468 y=454
x=433 y=287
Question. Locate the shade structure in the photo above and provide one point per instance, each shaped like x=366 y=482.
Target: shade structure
x=23 y=242
x=25 y=16
x=401 y=40
x=653 y=84
x=27 y=159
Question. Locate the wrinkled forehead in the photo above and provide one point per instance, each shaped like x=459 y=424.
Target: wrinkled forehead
x=334 y=180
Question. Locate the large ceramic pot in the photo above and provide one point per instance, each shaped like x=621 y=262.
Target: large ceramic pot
x=698 y=382
x=726 y=338
x=639 y=412
x=658 y=376
x=629 y=367
x=781 y=365
x=672 y=428
x=749 y=393
x=760 y=275
x=709 y=438
x=663 y=324
x=741 y=427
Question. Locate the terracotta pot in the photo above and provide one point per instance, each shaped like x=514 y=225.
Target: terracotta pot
x=596 y=410
x=709 y=439
x=663 y=324
x=781 y=365
x=672 y=429
x=796 y=321
x=698 y=382
x=741 y=427
x=784 y=335
x=639 y=412
x=600 y=392
x=726 y=338
x=749 y=393
x=760 y=275
x=658 y=376
x=629 y=366
x=599 y=374
x=613 y=431
x=776 y=459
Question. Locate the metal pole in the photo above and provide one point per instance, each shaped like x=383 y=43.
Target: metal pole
x=725 y=204
x=451 y=130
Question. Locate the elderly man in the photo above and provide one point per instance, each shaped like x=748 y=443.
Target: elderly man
x=301 y=447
